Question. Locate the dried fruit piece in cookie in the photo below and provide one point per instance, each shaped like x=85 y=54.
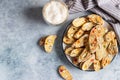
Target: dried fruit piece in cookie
x=79 y=22
x=113 y=48
x=96 y=19
x=88 y=63
x=109 y=36
x=68 y=50
x=106 y=60
x=64 y=73
x=67 y=40
x=75 y=61
x=76 y=52
x=87 y=26
x=96 y=65
x=78 y=34
x=105 y=44
x=49 y=41
x=71 y=31
x=81 y=41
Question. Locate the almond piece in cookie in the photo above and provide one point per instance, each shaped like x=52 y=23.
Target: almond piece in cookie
x=95 y=19
x=49 y=42
x=64 y=73
x=79 y=22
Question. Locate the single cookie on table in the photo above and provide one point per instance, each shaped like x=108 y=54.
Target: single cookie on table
x=48 y=42
x=64 y=73
x=79 y=21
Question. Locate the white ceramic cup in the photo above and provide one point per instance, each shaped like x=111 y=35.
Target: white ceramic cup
x=55 y=12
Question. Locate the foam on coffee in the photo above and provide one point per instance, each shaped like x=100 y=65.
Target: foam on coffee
x=55 y=12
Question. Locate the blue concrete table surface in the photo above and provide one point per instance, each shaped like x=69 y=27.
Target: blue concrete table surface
x=21 y=58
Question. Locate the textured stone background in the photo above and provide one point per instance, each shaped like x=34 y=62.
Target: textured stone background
x=21 y=26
